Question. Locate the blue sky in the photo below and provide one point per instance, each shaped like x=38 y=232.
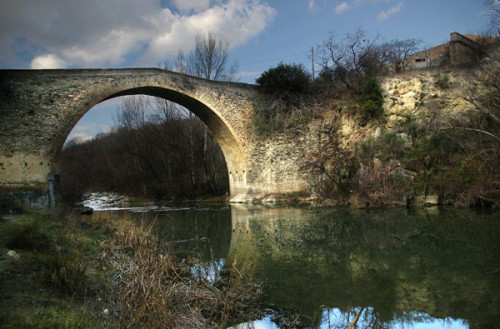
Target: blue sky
x=132 y=33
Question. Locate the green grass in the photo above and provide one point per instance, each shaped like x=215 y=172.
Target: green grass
x=55 y=282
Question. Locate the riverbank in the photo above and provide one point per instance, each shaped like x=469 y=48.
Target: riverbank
x=51 y=277
x=89 y=272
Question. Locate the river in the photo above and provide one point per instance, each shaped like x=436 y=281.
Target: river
x=325 y=268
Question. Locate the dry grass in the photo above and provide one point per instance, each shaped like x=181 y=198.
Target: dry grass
x=148 y=287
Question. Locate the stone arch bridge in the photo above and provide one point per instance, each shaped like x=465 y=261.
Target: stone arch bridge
x=38 y=109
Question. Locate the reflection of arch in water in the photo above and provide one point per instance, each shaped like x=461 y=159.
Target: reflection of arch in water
x=312 y=259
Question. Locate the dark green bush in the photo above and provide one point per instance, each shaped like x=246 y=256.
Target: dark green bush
x=371 y=100
x=284 y=103
x=29 y=237
x=285 y=77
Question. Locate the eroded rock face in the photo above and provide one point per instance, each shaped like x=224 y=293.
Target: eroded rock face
x=422 y=94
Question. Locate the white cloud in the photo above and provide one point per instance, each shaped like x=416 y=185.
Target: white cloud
x=386 y=14
x=97 y=33
x=342 y=7
x=235 y=21
x=49 y=61
x=347 y=5
x=249 y=75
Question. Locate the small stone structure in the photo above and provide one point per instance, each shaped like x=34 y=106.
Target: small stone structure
x=38 y=109
x=459 y=50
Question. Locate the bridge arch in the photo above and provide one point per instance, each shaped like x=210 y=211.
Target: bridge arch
x=38 y=109
x=225 y=136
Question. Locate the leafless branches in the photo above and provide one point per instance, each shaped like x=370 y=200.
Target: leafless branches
x=350 y=59
x=397 y=52
x=493 y=7
x=209 y=59
x=155 y=152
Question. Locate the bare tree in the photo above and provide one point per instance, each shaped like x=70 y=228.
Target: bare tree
x=486 y=100
x=180 y=64
x=351 y=59
x=397 y=52
x=329 y=168
x=209 y=59
x=165 y=111
x=132 y=113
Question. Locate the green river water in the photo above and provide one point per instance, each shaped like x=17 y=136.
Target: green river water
x=321 y=268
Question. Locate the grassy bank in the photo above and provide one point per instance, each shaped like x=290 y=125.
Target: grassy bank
x=55 y=281
x=89 y=272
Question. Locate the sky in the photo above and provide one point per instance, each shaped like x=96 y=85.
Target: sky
x=131 y=33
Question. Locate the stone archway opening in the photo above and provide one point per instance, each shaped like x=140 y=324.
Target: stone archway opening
x=154 y=145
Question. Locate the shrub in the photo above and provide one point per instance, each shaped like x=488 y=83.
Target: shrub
x=383 y=182
x=63 y=272
x=29 y=237
x=285 y=77
x=329 y=169
x=442 y=81
x=386 y=147
x=371 y=100
x=150 y=287
x=281 y=112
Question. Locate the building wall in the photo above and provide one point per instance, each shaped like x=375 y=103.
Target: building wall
x=459 y=51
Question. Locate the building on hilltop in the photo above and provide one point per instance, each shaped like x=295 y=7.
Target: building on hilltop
x=460 y=50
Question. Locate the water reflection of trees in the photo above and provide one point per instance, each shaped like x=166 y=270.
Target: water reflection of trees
x=368 y=318
x=393 y=265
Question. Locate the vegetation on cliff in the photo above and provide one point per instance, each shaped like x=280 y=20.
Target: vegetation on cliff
x=400 y=138
x=443 y=147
